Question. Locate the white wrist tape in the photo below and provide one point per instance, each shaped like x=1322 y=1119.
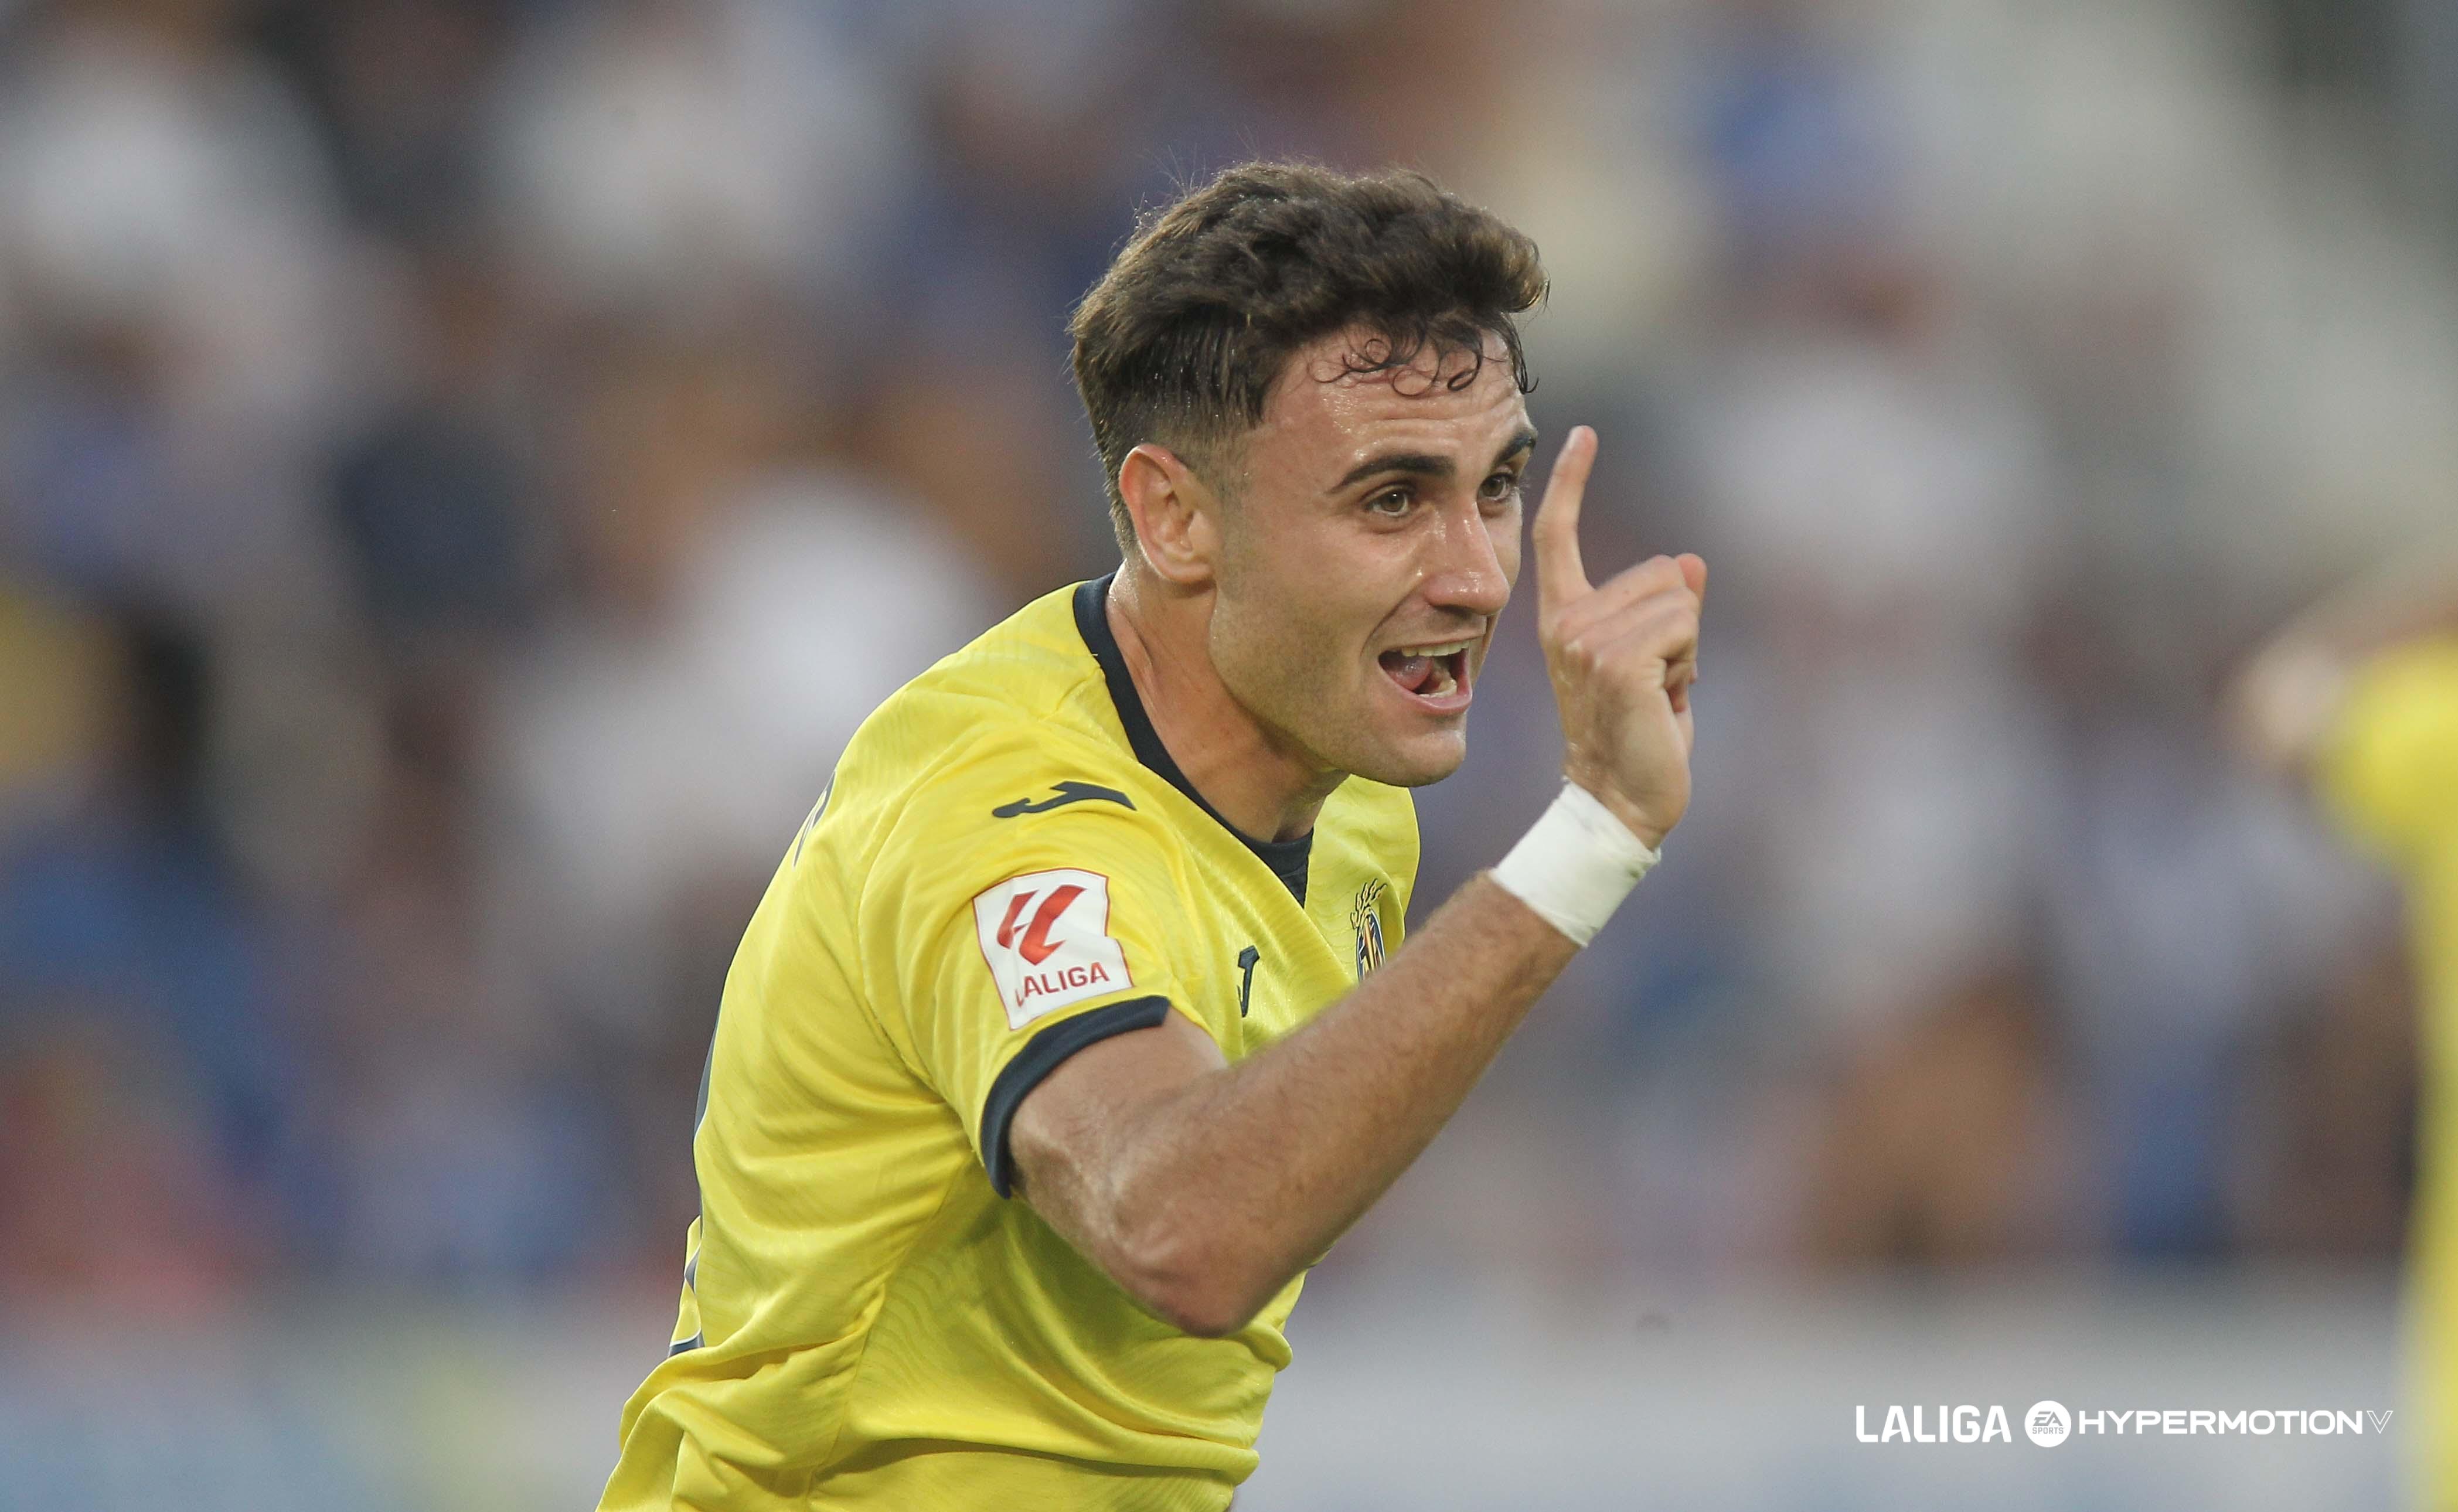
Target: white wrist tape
x=1575 y=864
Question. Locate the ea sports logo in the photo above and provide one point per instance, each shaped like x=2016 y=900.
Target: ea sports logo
x=2048 y=1423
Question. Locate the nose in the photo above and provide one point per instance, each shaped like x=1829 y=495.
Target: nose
x=1463 y=569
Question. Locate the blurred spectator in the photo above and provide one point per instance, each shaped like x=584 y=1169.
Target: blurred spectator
x=741 y=607
x=436 y=504
x=537 y=433
x=164 y=221
x=655 y=156
x=152 y=1087
x=401 y=89
x=1950 y=1141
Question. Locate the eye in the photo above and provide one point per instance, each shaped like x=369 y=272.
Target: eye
x=1390 y=504
x=1500 y=488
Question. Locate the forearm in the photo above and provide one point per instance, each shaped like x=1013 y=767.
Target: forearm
x=1254 y=1169
x=1203 y=1188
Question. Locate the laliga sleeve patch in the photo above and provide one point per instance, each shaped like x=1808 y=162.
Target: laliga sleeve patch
x=1046 y=937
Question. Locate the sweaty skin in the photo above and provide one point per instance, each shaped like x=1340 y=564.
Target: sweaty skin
x=1366 y=514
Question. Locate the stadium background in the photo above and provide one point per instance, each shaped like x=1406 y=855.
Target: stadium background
x=465 y=467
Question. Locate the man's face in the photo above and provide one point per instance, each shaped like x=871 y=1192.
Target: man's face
x=1369 y=542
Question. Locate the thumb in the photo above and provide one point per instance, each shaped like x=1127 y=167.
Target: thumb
x=1693 y=573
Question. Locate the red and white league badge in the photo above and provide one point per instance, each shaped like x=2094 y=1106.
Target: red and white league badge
x=1045 y=936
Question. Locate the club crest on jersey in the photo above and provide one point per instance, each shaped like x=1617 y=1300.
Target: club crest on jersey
x=1046 y=938
x=1365 y=918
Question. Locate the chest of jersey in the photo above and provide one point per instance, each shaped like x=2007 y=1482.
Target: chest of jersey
x=1272 y=963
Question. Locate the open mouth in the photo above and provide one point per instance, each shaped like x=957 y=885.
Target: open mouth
x=1435 y=675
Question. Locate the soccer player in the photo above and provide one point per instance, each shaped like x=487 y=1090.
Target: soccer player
x=2360 y=694
x=1075 y=1026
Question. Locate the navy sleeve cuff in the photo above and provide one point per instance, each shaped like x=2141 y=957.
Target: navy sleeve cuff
x=1040 y=1056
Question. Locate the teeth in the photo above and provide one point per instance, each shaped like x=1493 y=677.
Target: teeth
x=1448 y=648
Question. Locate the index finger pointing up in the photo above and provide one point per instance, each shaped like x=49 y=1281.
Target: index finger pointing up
x=1560 y=575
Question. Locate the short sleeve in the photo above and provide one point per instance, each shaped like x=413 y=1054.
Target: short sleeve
x=2390 y=770
x=997 y=947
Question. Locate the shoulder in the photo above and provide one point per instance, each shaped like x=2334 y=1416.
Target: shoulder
x=1026 y=669
x=1005 y=750
x=1377 y=811
x=1379 y=820
x=2385 y=767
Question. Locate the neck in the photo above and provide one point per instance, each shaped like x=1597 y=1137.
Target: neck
x=1263 y=784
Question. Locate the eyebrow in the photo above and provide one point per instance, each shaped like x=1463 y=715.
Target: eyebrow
x=1427 y=465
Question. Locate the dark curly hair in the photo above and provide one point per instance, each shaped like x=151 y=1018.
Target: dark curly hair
x=1181 y=339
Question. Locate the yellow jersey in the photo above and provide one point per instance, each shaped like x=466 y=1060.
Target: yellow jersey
x=2390 y=772
x=1006 y=867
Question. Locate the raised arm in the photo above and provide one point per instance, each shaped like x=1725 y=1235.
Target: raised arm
x=2288 y=695
x=1204 y=1188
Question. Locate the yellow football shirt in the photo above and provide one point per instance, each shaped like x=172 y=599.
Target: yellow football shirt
x=1006 y=866
x=2391 y=774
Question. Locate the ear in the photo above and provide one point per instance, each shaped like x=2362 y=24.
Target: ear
x=1177 y=515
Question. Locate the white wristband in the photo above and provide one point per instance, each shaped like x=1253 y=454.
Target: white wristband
x=1575 y=864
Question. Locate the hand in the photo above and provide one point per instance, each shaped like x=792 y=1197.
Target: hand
x=1622 y=656
x=2284 y=702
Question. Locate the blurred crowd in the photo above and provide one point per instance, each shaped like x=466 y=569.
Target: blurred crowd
x=467 y=466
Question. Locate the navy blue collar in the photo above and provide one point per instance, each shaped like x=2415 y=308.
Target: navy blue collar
x=1287 y=858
